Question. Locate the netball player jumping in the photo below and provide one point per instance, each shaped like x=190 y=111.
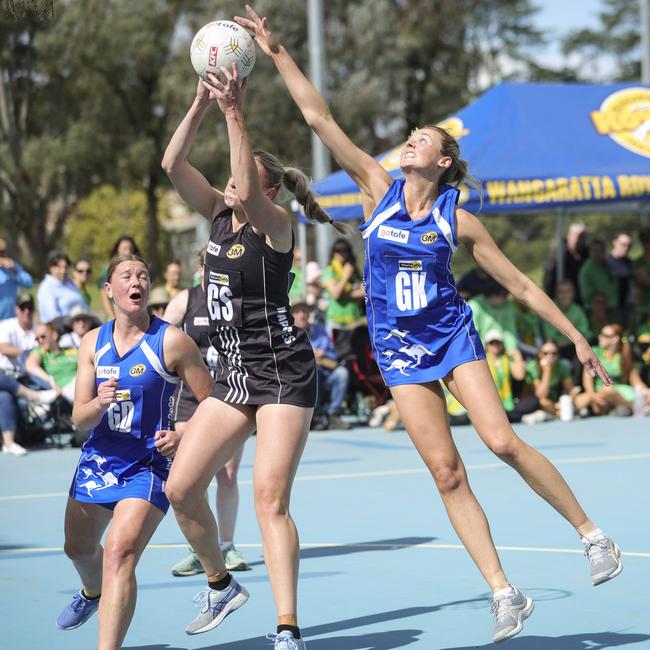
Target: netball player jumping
x=422 y=331
x=267 y=373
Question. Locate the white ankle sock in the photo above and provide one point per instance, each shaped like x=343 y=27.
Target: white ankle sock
x=506 y=592
x=594 y=535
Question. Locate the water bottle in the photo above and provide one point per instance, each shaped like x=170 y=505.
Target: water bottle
x=639 y=401
x=566 y=408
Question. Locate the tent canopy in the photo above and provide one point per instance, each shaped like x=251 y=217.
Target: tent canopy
x=538 y=147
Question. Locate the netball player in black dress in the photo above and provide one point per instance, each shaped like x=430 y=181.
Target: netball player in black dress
x=267 y=373
x=188 y=311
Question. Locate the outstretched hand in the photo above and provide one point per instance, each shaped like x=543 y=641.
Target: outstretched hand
x=262 y=33
x=591 y=362
x=226 y=89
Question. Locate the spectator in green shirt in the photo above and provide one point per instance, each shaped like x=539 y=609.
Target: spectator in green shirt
x=55 y=366
x=493 y=311
x=595 y=275
x=549 y=376
x=344 y=287
x=565 y=300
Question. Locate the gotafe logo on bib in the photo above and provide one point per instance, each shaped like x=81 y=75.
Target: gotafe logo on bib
x=214 y=249
x=235 y=251
x=393 y=234
x=106 y=372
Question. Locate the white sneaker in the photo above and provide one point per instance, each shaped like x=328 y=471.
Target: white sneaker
x=14 y=449
x=286 y=641
x=536 y=417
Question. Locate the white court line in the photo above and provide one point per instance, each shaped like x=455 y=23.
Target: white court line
x=437 y=547
x=389 y=472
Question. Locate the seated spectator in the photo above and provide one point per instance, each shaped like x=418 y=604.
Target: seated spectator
x=158 y=301
x=641 y=274
x=12 y=277
x=125 y=245
x=52 y=364
x=81 y=272
x=57 y=294
x=616 y=357
x=10 y=390
x=17 y=337
x=333 y=378
x=596 y=276
x=474 y=283
x=315 y=294
x=599 y=314
x=565 y=300
x=172 y=274
x=343 y=284
x=643 y=345
x=81 y=323
x=493 y=311
x=504 y=367
x=550 y=377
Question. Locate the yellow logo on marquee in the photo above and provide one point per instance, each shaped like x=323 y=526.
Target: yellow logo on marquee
x=137 y=371
x=429 y=237
x=625 y=117
x=235 y=251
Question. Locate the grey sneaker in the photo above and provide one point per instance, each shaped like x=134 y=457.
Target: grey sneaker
x=286 y=641
x=604 y=559
x=234 y=560
x=509 y=613
x=190 y=565
x=215 y=606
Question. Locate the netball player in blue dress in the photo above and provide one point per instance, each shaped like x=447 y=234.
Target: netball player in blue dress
x=266 y=379
x=128 y=370
x=422 y=331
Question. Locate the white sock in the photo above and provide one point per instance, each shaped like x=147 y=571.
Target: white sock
x=594 y=535
x=506 y=592
x=225 y=546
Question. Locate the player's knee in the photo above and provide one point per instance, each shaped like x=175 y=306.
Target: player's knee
x=119 y=554
x=270 y=503
x=180 y=497
x=505 y=445
x=447 y=475
x=226 y=479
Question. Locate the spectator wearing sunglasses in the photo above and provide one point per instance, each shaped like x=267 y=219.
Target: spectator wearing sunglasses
x=81 y=272
x=12 y=278
x=17 y=336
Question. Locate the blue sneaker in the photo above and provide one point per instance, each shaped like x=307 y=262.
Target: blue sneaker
x=77 y=612
x=215 y=606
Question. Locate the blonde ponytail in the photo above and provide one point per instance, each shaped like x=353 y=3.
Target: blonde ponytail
x=298 y=184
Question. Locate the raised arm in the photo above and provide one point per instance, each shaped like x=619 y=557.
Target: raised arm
x=488 y=256
x=256 y=200
x=371 y=177
x=190 y=184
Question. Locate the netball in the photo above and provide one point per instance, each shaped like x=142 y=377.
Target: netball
x=222 y=43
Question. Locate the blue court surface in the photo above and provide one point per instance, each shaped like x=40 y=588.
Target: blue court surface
x=381 y=566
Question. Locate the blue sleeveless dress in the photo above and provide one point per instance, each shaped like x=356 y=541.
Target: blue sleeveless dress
x=420 y=327
x=119 y=460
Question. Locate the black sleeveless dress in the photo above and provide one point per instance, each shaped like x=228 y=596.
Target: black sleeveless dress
x=263 y=357
x=196 y=325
